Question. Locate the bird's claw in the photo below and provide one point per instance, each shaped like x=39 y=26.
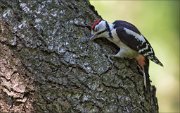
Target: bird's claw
x=110 y=60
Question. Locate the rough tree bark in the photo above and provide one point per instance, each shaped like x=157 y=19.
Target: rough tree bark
x=47 y=64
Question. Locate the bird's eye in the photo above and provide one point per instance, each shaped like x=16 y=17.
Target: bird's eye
x=96 y=29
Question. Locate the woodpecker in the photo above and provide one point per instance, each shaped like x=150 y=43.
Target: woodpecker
x=131 y=42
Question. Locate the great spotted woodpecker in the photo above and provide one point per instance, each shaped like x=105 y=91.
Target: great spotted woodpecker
x=131 y=42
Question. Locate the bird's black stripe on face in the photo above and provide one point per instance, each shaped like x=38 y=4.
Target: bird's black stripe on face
x=101 y=32
x=108 y=29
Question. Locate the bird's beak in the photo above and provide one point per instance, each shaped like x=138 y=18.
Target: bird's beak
x=93 y=37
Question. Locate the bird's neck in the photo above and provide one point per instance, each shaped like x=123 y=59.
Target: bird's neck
x=110 y=27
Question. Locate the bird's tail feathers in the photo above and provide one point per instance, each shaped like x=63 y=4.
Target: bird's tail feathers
x=155 y=60
x=145 y=72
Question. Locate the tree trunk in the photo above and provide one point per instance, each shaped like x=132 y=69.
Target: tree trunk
x=47 y=64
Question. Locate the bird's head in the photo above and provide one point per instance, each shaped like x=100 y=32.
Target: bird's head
x=100 y=28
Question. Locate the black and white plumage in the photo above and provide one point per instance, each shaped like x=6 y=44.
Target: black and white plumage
x=128 y=38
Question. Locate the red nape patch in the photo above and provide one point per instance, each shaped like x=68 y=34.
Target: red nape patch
x=95 y=23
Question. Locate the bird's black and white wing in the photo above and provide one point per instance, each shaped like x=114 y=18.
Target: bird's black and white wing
x=136 y=41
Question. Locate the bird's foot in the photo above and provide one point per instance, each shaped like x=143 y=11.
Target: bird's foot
x=109 y=58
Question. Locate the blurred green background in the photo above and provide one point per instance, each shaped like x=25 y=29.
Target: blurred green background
x=159 y=22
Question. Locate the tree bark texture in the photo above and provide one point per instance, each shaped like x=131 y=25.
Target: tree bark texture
x=47 y=64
